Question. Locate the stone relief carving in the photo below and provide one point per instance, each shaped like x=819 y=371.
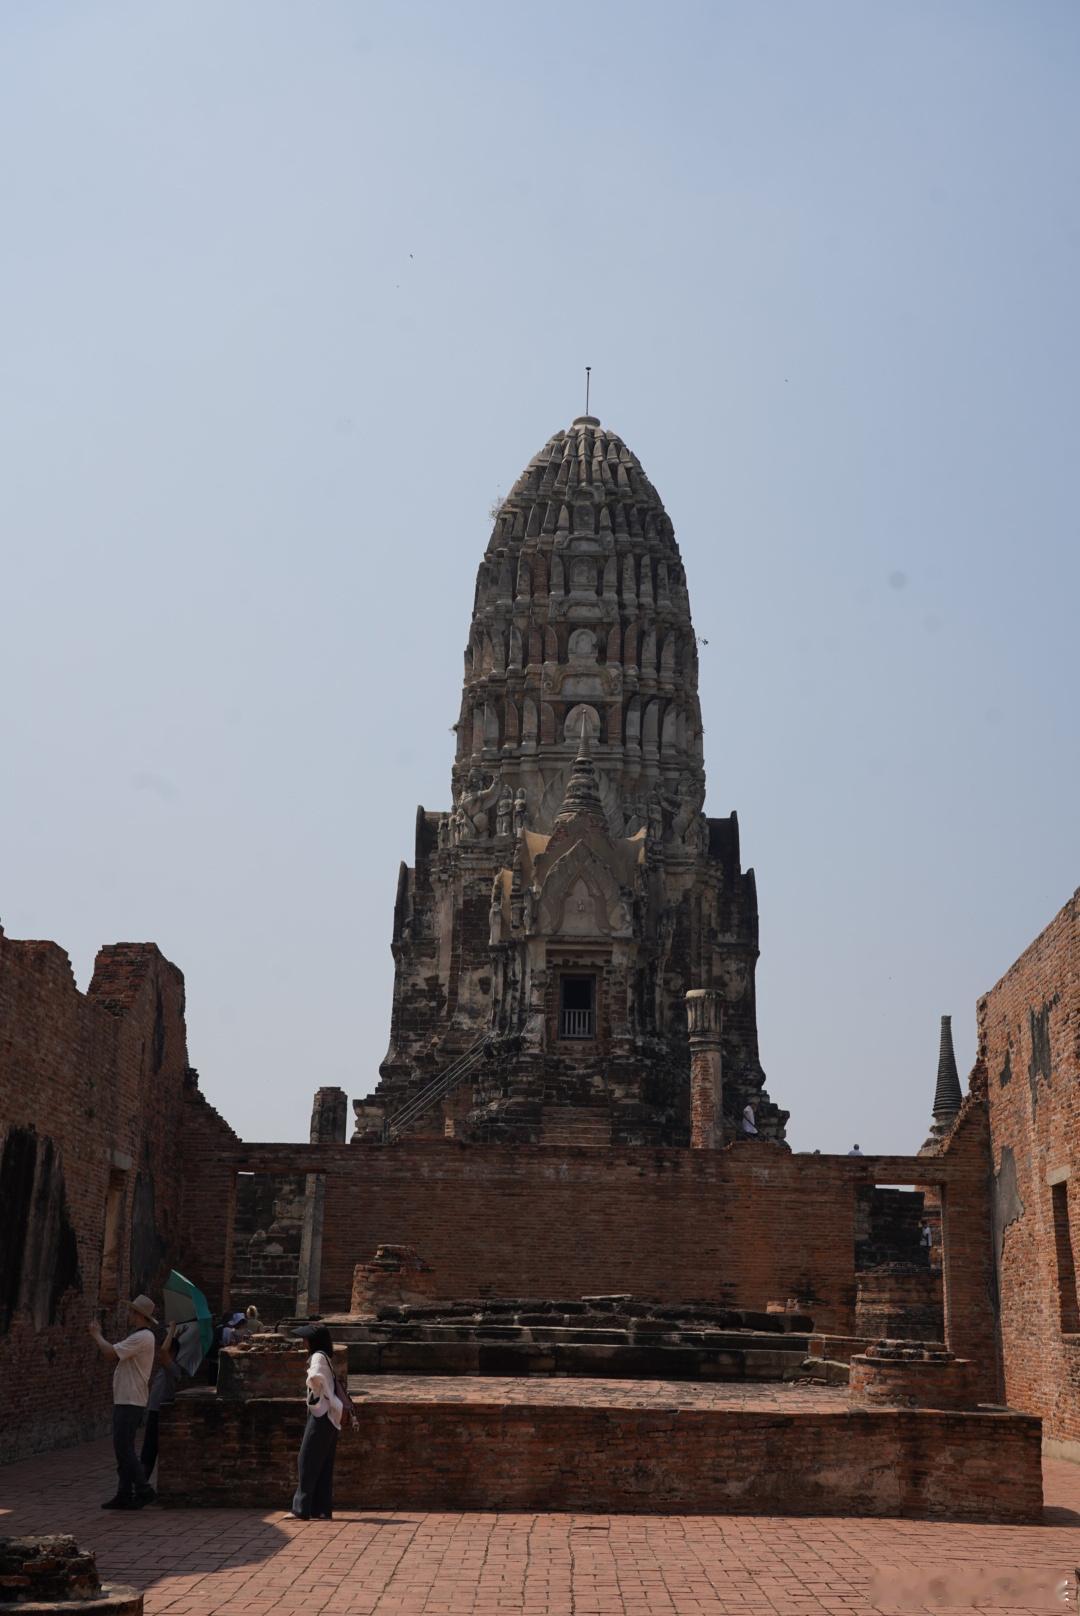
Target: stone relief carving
x=474 y=803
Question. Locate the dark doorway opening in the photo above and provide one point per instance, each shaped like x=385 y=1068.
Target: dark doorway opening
x=577 y=1007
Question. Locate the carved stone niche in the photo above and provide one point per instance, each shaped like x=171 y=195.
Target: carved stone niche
x=582 y=898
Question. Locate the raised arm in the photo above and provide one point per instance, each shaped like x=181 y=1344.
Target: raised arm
x=106 y=1348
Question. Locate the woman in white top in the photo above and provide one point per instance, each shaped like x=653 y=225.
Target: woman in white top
x=326 y=1404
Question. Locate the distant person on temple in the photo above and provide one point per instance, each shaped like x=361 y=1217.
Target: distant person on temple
x=854 y=1151
x=254 y=1323
x=178 y=1358
x=749 y=1126
x=328 y=1405
x=235 y=1329
x=134 y=1360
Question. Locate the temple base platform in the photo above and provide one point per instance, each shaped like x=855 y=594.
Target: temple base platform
x=613 y=1446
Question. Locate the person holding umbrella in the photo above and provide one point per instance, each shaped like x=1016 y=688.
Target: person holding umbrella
x=190 y=1332
x=178 y=1359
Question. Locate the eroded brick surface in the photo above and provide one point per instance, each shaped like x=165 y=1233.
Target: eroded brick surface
x=490 y=1442
x=96 y=1097
x=1029 y=1055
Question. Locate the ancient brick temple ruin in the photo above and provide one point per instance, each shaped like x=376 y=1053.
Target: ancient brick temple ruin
x=548 y=1239
x=575 y=892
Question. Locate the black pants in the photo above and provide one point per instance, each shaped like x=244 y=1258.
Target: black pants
x=162 y=1390
x=148 y=1456
x=315 y=1494
x=126 y=1418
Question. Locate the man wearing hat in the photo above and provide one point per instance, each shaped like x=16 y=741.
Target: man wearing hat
x=134 y=1359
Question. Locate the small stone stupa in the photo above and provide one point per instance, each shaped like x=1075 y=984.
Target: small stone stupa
x=948 y=1097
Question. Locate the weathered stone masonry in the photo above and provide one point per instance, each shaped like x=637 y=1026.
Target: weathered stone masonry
x=97 y=1104
x=575 y=891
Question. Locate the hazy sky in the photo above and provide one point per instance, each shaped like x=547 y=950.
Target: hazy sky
x=291 y=292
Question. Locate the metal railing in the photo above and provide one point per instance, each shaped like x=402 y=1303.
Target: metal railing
x=577 y=1024
x=437 y=1089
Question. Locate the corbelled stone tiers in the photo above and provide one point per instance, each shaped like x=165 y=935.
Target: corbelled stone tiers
x=575 y=891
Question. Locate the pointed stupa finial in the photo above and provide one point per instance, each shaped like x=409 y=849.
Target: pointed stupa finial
x=948 y=1096
x=584 y=750
x=582 y=794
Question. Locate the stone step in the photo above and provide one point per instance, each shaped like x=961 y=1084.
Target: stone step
x=796 y=1346
x=572 y=1358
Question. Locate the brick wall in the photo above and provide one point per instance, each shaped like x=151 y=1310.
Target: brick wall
x=95 y=1099
x=1029 y=1047
x=490 y=1456
x=744 y=1226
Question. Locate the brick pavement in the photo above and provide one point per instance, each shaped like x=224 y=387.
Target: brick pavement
x=245 y=1563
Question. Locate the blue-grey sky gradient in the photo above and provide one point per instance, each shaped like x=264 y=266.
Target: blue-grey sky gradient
x=291 y=293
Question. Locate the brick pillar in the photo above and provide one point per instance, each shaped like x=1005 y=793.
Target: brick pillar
x=704 y=1013
x=329 y=1114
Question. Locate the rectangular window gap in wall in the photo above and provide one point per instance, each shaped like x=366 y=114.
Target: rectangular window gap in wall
x=1066 y=1268
x=577 y=1006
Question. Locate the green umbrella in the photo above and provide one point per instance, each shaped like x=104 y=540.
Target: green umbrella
x=184 y=1302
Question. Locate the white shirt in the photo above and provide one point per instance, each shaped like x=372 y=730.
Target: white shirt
x=131 y=1377
x=748 y=1120
x=322 y=1398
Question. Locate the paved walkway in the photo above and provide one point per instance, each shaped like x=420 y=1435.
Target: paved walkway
x=198 y=1562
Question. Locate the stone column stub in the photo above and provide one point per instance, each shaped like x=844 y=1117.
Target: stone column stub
x=704 y=1017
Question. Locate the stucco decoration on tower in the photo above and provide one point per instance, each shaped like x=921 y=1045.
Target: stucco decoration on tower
x=575 y=890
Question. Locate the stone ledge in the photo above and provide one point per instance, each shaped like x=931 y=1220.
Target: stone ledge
x=428 y=1447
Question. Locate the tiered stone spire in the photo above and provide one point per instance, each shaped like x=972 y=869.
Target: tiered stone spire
x=948 y=1096
x=577 y=831
x=581 y=612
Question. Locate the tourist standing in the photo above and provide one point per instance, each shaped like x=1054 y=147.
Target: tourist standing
x=749 y=1125
x=178 y=1358
x=327 y=1401
x=134 y=1359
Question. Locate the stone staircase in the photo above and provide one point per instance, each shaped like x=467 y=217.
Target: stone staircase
x=576 y=1125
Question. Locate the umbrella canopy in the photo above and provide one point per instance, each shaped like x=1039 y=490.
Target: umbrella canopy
x=185 y=1303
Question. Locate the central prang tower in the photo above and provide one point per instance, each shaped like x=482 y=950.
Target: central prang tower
x=575 y=892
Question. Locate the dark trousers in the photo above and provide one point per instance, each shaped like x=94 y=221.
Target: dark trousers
x=126 y=1418
x=315 y=1494
x=148 y=1456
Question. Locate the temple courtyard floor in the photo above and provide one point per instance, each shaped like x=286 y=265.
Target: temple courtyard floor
x=415 y=1563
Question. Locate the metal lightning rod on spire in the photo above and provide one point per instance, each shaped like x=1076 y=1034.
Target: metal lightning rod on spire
x=588 y=371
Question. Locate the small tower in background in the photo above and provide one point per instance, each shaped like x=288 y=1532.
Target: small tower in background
x=948 y=1097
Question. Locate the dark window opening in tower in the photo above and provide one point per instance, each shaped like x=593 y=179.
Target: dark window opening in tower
x=577 y=1006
